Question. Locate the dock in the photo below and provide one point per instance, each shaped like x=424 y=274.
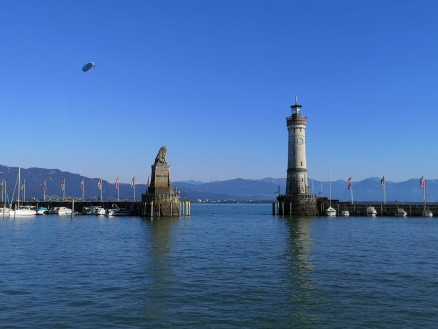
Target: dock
x=360 y=208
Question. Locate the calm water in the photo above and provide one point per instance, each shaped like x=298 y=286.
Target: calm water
x=227 y=266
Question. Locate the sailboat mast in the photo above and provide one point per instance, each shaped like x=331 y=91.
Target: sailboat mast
x=19 y=184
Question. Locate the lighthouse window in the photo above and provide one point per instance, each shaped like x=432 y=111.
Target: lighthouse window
x=301 y=163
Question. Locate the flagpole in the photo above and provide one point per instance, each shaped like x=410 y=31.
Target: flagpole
x=351 y=194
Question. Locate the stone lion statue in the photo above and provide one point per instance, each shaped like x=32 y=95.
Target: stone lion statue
x=161 y=156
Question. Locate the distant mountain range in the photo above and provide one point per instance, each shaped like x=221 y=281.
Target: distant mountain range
x=223 y=191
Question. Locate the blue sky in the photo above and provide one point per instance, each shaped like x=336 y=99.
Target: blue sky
x=213 y=81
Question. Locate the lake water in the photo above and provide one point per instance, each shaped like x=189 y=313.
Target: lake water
x=226 y=266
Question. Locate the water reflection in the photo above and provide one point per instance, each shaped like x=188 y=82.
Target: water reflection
x=160 y=268
x=302 y=296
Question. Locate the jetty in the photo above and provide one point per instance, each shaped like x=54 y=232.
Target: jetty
x=359 y=208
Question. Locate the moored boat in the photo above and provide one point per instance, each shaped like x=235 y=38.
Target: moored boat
x=4 y=211
x=99 y=211
x=427 y=213
x=345 y=213
x=63 y=211
x=117 y=212
x=41 y=210
x=23 y=211
x=401 y=212
x=331 y=212
x=371 y=211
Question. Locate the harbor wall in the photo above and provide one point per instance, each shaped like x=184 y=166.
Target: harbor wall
x=360 y=208
x=388 y=209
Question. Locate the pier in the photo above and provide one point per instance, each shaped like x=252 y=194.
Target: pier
x=137 y=208
x=360 y=208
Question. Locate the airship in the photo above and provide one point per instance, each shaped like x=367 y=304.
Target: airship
x=87 y=67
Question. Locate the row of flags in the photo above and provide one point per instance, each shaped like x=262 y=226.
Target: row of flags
x=99 y=184
x=23 y=186
x=382 y=182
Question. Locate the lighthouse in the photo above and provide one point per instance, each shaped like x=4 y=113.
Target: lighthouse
x=297 y=200
x=296 y=182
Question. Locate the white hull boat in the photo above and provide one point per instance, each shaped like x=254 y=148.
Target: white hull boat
x=63 y=211
x=99 y=211
x=345 y=213
x=4 y=211
x=23 y=211
x=331 y=212
x=118 y=212
x=401 y=213
x=427 y=213
x=371 y=211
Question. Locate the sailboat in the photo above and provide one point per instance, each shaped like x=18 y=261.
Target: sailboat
x=5 y=210
x=330 y=211
x=21 y=210
x=426 y=212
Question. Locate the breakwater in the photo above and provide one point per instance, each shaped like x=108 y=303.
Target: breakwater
x=135 y=207
x=360 y=209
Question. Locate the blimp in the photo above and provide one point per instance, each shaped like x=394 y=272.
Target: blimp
x=87 y=67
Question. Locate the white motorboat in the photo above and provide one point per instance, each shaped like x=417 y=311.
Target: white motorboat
x=331 y=212
x=99 y=211
x=371 y=211
x=401 y=213
x=23 y=211
x=63 y=211
x=345 y=213
x=118 y=212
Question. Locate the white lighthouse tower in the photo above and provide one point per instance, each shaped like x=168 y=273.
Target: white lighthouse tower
x=297 y=200
x=297 y=182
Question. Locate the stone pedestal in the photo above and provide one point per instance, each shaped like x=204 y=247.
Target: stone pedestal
x=297 y=204
x=160 y=198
